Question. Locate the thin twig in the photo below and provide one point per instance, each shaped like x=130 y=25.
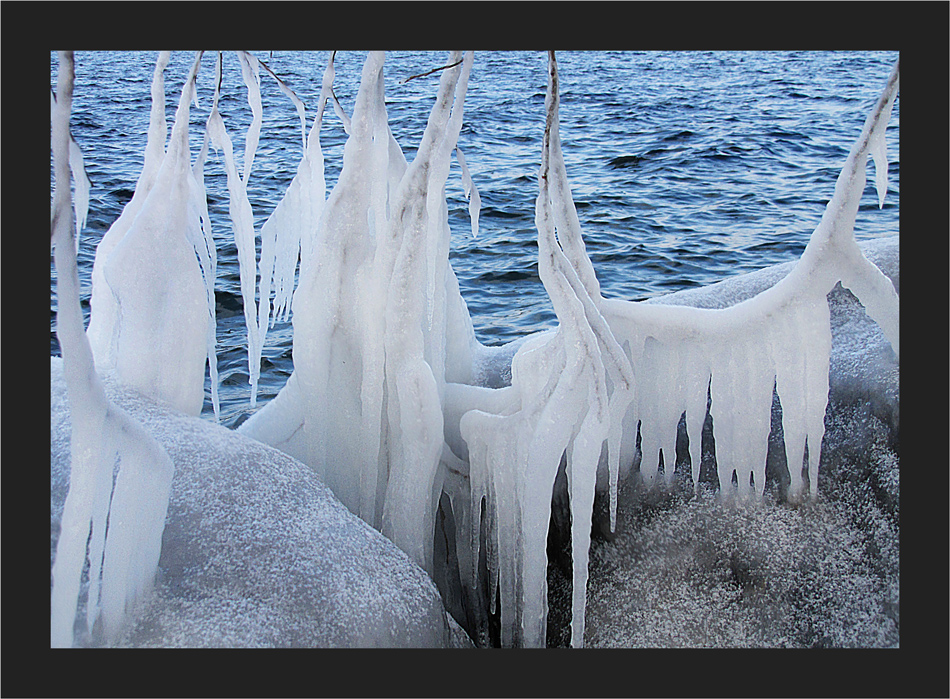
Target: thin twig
x=276 y=77
x=430 y=72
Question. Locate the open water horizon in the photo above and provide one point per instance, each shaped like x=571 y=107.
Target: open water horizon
x=686 y=168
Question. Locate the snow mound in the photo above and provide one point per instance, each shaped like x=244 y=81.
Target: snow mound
x=256 y=550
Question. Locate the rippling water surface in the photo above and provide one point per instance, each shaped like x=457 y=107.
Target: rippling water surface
x=686 y=167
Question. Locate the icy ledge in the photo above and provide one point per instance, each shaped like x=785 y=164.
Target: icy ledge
x=257 y=552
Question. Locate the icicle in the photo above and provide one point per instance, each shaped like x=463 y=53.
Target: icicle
x=252 y=78
x=123 y=526
x=289 y=229
x=471 y=192
x=242 y=222
x=877 y=145
x=282 y=244
x=207 y=250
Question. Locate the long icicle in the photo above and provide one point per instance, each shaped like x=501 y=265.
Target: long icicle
x=242 y=221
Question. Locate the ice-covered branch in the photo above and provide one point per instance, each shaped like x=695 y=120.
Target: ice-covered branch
x=80 y=179
x=116 y=528
x=779 y=338
x=298 y=103
x=566 y=399
x=430 y=72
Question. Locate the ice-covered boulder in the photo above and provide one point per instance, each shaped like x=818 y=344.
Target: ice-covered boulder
x=257 y=551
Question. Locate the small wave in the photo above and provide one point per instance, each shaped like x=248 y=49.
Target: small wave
x=227 y=304
x=509 y=275
x=625 y=161
x=679 y=136
x=494 y=212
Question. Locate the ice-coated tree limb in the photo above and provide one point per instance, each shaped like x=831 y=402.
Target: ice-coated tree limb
x=122 y=524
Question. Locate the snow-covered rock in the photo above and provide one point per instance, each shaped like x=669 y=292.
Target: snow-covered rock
x=256 y=550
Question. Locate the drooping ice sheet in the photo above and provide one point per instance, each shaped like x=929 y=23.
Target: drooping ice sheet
x=779 y=338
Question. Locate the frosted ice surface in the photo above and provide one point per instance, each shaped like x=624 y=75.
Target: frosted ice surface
x=257 y=551
x=708 y=575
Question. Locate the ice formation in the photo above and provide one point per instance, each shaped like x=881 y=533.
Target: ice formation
x=151 y=323
x=780 y=338
x=287 y=235
x=257 y=552
x=80 y=180
x=120 y=478
x=394 y=402
x=374 y=318
x=568 y=389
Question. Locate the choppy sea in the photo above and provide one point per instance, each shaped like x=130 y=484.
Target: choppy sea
x=686 y=167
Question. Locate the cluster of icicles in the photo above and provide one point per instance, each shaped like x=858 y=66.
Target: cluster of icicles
x=388 y=400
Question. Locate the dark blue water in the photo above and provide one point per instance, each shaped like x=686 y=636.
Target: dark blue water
x=686 y=167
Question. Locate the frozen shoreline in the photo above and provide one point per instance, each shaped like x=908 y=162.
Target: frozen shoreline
x=317 y=571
